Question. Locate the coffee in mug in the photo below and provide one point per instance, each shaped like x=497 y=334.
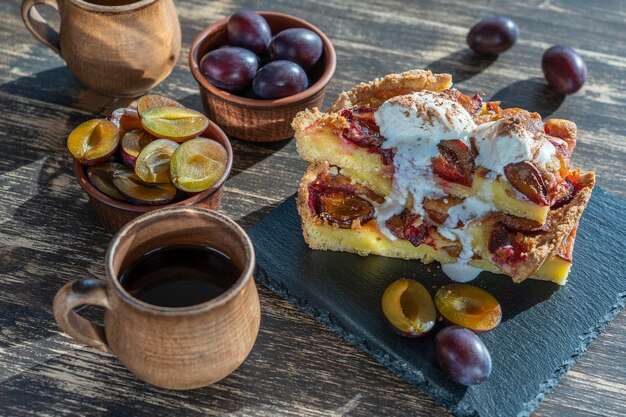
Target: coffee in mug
x=181 y=309
x=179 y=276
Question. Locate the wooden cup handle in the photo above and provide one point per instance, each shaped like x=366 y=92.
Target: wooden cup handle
x=38 y=25
x=78 y=293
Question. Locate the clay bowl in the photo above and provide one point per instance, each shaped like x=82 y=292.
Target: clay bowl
x=258 y=120
x=113 y=214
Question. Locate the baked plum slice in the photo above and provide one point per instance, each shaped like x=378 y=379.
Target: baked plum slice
x=133 y=143
x=197 y=164
x=408 y=226
x=473 y=104
x=175 y=123
x=409 y=308
x=343 y=207
x=468 y=306
x=437 y=209
x=101 y=177
x=153 y=162
x=527 y=179
x=455 y=162
x=562 y=129
x=563 y=195
x=506 y=248
x=93 y=142
x=522 y=225
x=135 y=191
x=364 y=132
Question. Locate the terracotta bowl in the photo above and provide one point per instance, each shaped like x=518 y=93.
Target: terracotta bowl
x=113 y=214
x=258 y=120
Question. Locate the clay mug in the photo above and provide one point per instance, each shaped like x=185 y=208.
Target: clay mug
x=176 y=348
x=121 y=48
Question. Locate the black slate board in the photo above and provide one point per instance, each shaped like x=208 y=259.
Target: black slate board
x=544 y=327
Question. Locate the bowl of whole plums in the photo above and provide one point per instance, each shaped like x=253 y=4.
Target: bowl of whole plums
x=257 y=70
x=159 y=154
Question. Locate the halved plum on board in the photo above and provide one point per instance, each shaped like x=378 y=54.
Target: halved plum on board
x=527 y=179
x=133 y=143
x=409 y=308
x=468 y=306
x=93 y=142
x=101 y=177
x=197 y=164
x=153 y=162
x=135 y=191
x=175 y=123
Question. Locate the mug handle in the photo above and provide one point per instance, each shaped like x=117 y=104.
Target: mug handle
x=38 y=26
x=78 y=293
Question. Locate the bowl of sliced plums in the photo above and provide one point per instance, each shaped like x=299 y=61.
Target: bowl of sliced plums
x=159 y=154
x=257 y=70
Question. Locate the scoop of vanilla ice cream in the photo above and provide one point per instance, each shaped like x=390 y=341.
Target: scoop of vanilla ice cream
x=413 y=125
x=507 y=141
x=426 y=117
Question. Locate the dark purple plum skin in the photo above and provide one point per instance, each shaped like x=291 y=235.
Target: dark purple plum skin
x=249 y=30
x=279 y=79
x=492 y=35
x=564 y=69
x=462 y=355
x=299 y=45
x=230 y=68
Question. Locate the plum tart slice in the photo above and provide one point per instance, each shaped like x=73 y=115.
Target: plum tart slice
x=405 y=166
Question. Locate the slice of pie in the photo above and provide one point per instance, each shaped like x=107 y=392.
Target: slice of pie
x=407 y=167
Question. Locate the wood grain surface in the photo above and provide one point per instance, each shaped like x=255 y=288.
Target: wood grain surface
x=48 y=236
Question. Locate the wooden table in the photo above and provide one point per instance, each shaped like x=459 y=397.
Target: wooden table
x=48 y=236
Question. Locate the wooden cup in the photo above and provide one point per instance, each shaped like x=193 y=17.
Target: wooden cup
x=121 y=48
x=177 y=348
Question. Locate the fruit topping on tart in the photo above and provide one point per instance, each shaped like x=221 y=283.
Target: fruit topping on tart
x=406 y=166
x=363 y=131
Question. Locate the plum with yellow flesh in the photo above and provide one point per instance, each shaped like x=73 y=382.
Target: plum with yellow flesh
x=135 y=191
x=101 y=177
x=93 y=142
x=409 y=308
x=133 y=143
x=150 y=101
x=153 y=162
x=468 y=306
x=198 y=164
x=176 y=123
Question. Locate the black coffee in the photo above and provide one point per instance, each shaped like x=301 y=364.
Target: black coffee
x=179 y=276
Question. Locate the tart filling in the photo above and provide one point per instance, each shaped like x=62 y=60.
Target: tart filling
x=439 y=175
